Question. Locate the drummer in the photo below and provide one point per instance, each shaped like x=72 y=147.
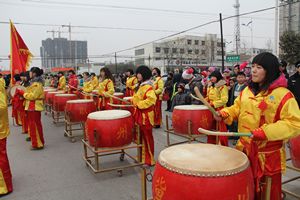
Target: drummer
x=6 y=186
x=131 y=82
x=17 y=103
x=158 y=86
x=270 y=112
x=61 y=81
x=25 y=83
x=73 y=82
x=144 y=101
x=105 y=89
x=94 y=80
x=87 y=86
x=34 y=97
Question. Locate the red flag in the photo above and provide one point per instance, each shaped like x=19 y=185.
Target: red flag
x=20 y=56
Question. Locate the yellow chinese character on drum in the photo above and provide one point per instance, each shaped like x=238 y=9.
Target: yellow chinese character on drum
x=160 y=188
x=204 y=121
x=244 y=196
x=121 y=134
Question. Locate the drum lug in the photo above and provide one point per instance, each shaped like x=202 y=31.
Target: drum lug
x=122 y=156
x=120 y=172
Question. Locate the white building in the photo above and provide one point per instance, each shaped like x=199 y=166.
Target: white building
x=197 y=51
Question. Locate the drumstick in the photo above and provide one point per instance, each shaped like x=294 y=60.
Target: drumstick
x=217 y=133
x=112 y=96
x=205 y=103
x=119 y=105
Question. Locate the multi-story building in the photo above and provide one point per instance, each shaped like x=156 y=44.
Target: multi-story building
x=60 y=52
x=289 y=16
x=181 y=51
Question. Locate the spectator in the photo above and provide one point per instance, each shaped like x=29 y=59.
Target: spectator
x=168 y=90
x=237 y=88
x=226 y=75
x=180 y=98
x=282 y=67
x=294 y=83
x=236 y=70
x=194 y=84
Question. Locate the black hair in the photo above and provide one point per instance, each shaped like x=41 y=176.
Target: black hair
x=36 y=71
x=241 y=74
x=157 y=70
x=17 y=77
x=86 y=73
x=297 y=64
x=216 y=74
x=60 y=73
x=271 y=64
x=130 y=71
x=79 y=75
x=238 y=66
x=107 y=73
x=144 y=71
x=283 y=63
x=93 y=74
x=71 y=71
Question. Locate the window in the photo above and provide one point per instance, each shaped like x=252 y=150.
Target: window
x=196 y=42
x=157 y=58
x=203 y=52
x=196 y=51
x=219 y=53
x=190 y=51
x=157 y=50
x=189 y=42
x=166 y=50
x=174 y=50
x=139 y=52
x=182 y=51
x=202 y=42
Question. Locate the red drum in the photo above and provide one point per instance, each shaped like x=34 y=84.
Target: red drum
x=113 y=127
x=130 y=109
x=50 y=96
x=95 y=97
x=201 y=172
x=79 y=109
x=49 y=90
x=60 y=100
x=295 y=151
x=199 y=115
x=119 y=95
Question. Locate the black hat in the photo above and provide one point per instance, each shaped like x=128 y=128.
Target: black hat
x=144 y=71
x=216 y=74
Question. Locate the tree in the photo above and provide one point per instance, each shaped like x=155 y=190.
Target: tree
x=289 y=45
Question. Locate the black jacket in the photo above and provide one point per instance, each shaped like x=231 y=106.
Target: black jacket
x=294 y=86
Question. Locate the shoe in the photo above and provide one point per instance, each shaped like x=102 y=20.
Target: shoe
x=24 y=132
x=157 y=126
x=2 y=195
x=36 y=148
x=28 y=139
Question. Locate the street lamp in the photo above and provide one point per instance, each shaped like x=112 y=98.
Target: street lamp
x=249 y=25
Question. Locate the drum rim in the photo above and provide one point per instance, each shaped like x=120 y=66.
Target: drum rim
x=126 y=114
x=50 y=90
x=127 y=98
x=80 y=101
x=56 y=92
x=191 y=107
x=118 y=93
x=186 y=172
x=64 y=95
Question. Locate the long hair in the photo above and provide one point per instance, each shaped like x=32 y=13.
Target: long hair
x=271 y=64
x=107 y=74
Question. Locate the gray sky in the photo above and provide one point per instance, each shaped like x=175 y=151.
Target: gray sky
x=102 y=41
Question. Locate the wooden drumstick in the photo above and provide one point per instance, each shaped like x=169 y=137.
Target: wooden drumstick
x=217 y=133
x=201 y=98
x=120 y=105
x=112 y=96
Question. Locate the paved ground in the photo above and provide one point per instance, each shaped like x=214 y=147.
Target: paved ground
x=59 y=173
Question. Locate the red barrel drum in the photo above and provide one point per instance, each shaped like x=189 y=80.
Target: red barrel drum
x=78 y=110
x=60 y=101
x=199 y=115
x=49 y=90
x=128 y=99
x=295 y=151
x=50 y=96
x=119 y=95
x=113 y=128
x=201 y=172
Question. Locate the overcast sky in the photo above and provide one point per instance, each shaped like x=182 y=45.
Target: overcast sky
x=102 y=41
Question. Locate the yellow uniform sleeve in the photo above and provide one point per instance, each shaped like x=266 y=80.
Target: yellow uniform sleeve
x=62 y=83
x=87 y=87
x=95 y=82
x=223 y=99
x=160 y=87
x=110 y=87
x=233 y=111
x=289 y=124
x=4 y=125
x=131 y=83
x=35 y=92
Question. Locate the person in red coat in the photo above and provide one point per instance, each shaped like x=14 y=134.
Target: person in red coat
x=73 y=82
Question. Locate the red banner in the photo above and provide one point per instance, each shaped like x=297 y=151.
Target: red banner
x=20 y=56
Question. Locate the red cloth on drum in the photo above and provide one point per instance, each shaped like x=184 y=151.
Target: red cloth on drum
x=5 y=169
x=157 y=112
x=35 y=129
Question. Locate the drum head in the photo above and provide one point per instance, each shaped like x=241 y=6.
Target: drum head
x=191 y=107
x=127 y=98
x=109 y=114
x=118 y=94
x=203 y=160
x=14 y=88
x=50 y=90
x=81 y=101
x=65 y=95
x=56 y=92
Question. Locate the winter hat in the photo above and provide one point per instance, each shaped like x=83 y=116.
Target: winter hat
x=226 y=71
x=216 y=74
x=188 y=74
x=181 y=85
x=204 y=74
x=144 y=71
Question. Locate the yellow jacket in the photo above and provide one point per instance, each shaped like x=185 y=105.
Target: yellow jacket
x=88 y=87
x=34 y=97
x=106 y=86
x=274 y=114
x=218 y=95
x=62 y=83
x=2 y=81
x=144 y=100
x=131 y=82
x=95 y=82
x=4 y=124
x=158 y=86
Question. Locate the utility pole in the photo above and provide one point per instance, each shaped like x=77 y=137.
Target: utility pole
x=237 y=27
x=222 y=42
x=116 y=64
x=276 y=36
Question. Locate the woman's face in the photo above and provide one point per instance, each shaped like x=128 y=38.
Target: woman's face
x=213 y=79
x=139 y=77
x=102 y=74
x=31 y=74
x=154 y=72
x=258 y=73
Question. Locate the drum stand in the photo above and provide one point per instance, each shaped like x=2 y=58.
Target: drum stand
x=47 y=108
x=189 y=136
x=56 y=116
x=68 y=132
x=285 y=191
x=100 y=152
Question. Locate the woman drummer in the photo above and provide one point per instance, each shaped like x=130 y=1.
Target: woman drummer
x=105 y=89
x=158 y=86
x=131 y=82
x=34 y=96
x=270 y=112
x=144 y=101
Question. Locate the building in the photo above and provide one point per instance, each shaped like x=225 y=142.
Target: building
x=181 y=51
x=60 y=52
x=289 y=16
